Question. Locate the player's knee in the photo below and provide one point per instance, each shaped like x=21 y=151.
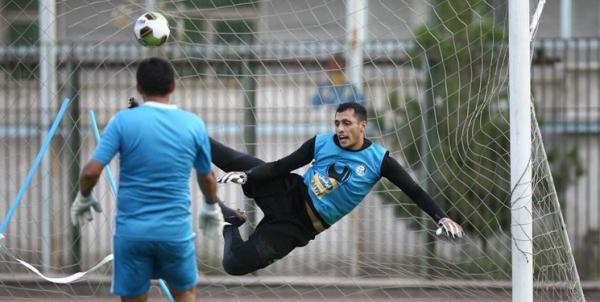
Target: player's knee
x=234 y=267
x=243 y=259
x=188 y=295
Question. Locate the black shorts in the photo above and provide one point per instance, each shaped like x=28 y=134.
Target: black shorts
x=286 y=224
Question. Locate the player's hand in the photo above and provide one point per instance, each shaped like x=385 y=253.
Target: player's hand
x=81 y=211
x=239 y=178
x=211 y=220
x=132 y=103
x=450 y=228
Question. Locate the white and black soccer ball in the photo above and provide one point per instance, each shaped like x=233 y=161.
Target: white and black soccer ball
x=151 y=29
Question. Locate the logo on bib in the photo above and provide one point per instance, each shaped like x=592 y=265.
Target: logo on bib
x=322 y=185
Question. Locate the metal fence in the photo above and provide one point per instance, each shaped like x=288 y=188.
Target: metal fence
x=271 y=100
x=566 y=78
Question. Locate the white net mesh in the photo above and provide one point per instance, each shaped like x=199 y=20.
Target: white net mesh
x=265 y=76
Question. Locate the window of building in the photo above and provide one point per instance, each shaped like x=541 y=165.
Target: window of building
x=21 y=5
x=23 y=33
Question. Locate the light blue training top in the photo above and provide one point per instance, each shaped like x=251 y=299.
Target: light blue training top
x=158 y=145
x=339 y=179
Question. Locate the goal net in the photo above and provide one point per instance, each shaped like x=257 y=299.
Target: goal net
x=265 y=76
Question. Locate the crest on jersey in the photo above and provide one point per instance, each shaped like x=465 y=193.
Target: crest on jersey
x=360 y=170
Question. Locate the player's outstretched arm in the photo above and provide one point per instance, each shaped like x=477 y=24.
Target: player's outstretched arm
x=271 y=170
x=393 y=171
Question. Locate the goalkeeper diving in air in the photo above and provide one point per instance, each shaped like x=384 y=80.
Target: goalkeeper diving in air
x=345 y=167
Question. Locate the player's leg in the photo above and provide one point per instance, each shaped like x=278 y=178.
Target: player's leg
x=132 y=270
x=268 y=243
x=176 y=264
x=142 y=298
x=228 y=159
x=239 y=257
x=186 y=296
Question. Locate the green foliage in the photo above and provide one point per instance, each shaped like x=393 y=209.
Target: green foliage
x=466 y=152
x=21 y=5
x=464 y=107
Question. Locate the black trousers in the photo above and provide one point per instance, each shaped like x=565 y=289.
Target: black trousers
x=284 y=227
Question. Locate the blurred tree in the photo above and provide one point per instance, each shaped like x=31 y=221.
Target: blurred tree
x=463 y=105
x=464 y=150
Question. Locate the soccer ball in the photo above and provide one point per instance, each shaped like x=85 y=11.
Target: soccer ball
x=151 y=29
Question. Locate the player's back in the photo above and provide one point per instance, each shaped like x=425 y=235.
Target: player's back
x=158 y=148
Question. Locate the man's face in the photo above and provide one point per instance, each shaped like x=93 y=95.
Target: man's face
x=350 y=131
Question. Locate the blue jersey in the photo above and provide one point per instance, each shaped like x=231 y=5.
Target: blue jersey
x=158 y=145
x=339 y=179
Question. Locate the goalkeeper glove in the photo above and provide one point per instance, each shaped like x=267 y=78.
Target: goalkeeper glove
x=132 y=103
x=211 y=219
x=450 y=228
x=80 y=209
x=239 y=178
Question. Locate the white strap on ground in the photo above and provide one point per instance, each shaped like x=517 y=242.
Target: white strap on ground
x=67 y=279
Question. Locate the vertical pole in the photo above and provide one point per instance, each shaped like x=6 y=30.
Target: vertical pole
x=74 y=145
x=47 y=65
x=565 y=19
x=428 y=142
x=150 y=5
x=430 y=77
x=520 y=150
x=249 y=89
x=356 y=30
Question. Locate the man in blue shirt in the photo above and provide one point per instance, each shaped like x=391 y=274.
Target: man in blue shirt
x=158 y=145
x=345 y=167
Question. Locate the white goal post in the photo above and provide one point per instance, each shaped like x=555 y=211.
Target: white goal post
x=520 y=150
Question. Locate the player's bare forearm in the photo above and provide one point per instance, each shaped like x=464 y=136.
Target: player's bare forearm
x=208 y=186
x=89 y=177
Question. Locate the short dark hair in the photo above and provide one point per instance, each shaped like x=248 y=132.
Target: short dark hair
x=359 y=110
x=155 y=75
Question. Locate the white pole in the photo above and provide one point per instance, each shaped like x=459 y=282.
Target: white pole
x=150 y=5
x=520 y=150
x=565 y=19
x=356 y=29
x=47 y=30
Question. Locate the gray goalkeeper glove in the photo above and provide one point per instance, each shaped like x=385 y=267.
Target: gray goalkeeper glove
x=81 y=211
x=211 y=220
x=448 y=227
x=239 y=178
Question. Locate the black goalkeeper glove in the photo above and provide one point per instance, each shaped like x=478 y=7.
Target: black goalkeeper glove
x=132 y=103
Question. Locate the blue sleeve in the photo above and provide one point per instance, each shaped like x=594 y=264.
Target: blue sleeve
x=110 y=142
x=203 y=158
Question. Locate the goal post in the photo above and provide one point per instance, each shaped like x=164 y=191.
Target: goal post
x=520 y=150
